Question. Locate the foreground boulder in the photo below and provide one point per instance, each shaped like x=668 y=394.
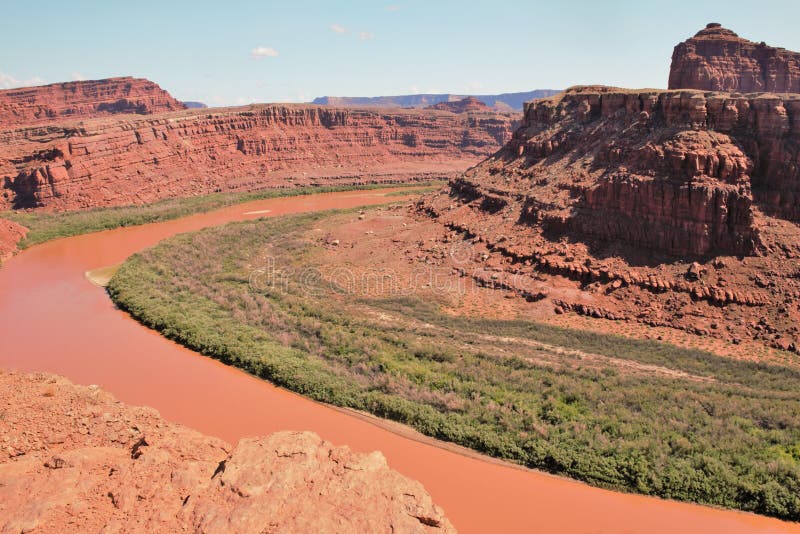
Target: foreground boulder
x=74 y=459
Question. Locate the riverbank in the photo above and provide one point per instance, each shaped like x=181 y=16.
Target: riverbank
x=271 y=297
x=45 y=226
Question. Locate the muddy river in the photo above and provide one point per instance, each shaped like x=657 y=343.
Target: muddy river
x=52 y=319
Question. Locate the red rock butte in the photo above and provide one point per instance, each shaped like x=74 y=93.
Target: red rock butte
x=717 y=59
x=94 y=98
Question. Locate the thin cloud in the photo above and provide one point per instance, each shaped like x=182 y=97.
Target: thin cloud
x=77 y=77
x=263 y=51
x=366 y=36
x=9 y=82
x=338 y=28
x=392 y=8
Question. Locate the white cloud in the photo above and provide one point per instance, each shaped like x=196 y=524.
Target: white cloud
x=77 y=77
x=393 y=8
x=338 y=28
x=9 y=82
x=263 y=51
x=474 y=86
x=366 y=36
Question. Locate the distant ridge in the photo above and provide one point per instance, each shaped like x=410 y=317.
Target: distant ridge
x=84 y=99
x=194 y=105
x=513 y=101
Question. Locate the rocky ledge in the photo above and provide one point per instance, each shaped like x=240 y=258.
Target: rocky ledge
x=74 y=459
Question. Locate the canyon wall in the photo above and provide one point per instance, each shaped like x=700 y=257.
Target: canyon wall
x=132 y=159
x=73 y=458
x=678 y=172
x=84 y=99
x=716 y=59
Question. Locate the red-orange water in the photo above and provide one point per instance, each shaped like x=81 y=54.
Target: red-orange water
x=53 y=320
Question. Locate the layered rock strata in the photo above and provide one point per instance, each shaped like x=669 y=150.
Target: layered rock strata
x=679 y=172
x=74 y=459
x=716 y=59
x=113 y=161
x=83 y=99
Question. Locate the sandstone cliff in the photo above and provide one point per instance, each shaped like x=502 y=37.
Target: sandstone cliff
x=75 y=100
x=672 y=208
x=716 y=59
x=672 y=171
x=113 y=161
x=74 y=459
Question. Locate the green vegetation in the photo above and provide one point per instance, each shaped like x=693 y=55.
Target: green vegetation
x=48 y=226
x=624 y=414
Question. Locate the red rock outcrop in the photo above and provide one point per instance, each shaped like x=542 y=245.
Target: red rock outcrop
x=10 y=234
x=113 y=161
x=464 y=105
x=74 y=459
x=84 y=99
x=716 y=59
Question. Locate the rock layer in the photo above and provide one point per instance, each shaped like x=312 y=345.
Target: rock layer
x=72 y=458
x=84 y=99
x=716 y=59
x=113 y=161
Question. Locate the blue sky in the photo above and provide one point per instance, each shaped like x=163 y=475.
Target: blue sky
x=236 y=52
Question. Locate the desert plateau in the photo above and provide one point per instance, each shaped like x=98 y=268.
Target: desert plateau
x=474 y=305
